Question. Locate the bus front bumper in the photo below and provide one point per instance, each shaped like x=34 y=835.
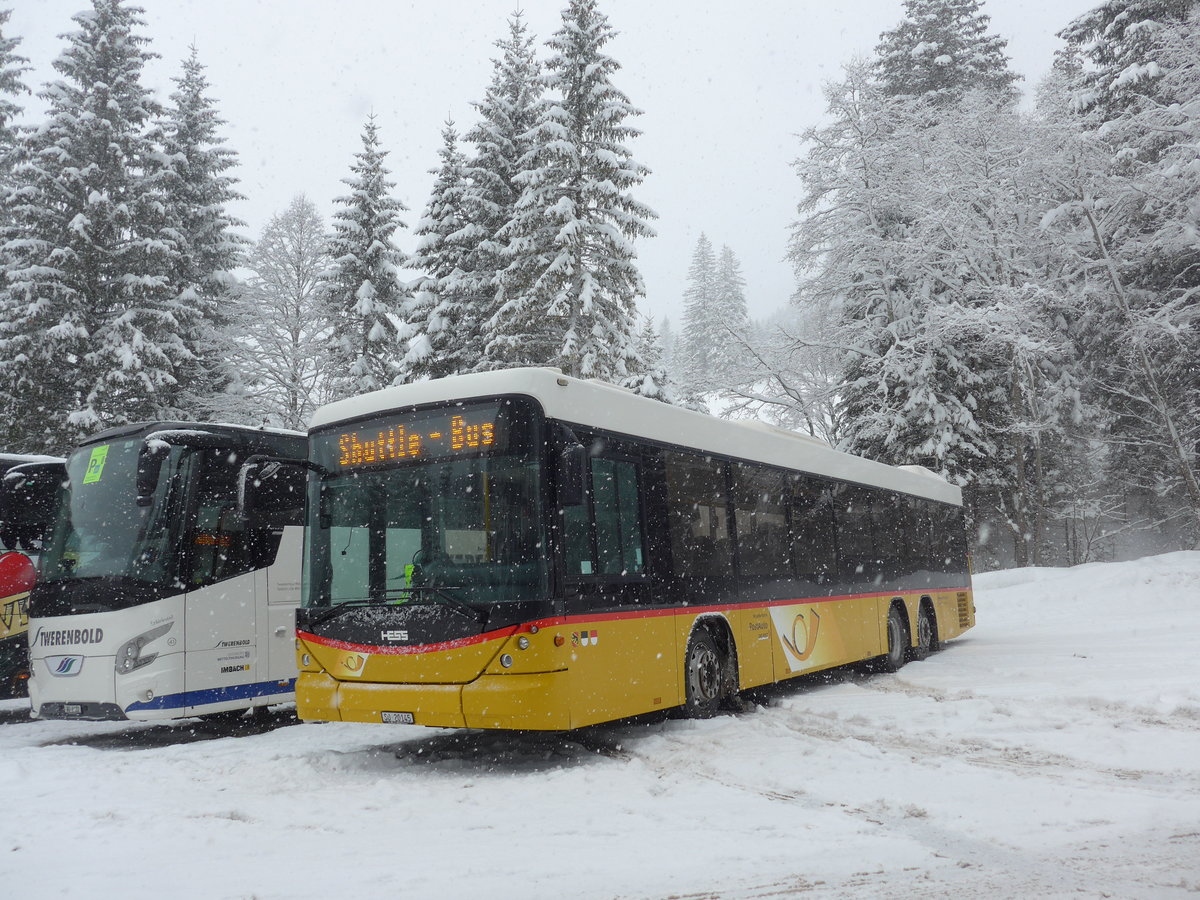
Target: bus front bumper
x=535 y=702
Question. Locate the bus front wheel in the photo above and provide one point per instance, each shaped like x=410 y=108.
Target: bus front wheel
x=706 y=677
x=897 y=641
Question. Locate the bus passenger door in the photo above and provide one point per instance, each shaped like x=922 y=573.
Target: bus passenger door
x=622 y=652
x=281 y=579
x=219 y=567
x=222 y=651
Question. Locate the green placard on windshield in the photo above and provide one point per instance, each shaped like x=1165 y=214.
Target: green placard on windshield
x=95 y=467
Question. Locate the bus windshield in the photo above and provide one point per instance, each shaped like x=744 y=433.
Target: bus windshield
x=101 y=529
x=429 y=505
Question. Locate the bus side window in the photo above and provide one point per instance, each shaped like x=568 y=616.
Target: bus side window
x=616 y=509
x=892 y=534
x=856 y=541
x=617 y=505
x=577 y=539
x=220 y=545
x=760 y=520
x=698 y=519
x=813 y=530
x=921 y=517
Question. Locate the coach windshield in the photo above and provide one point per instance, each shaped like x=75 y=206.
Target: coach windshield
x=122 y=550
x=435 y=505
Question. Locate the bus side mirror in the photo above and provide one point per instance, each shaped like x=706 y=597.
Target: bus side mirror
x=149 y=466
x=10 y=484
x=271 y=492
x=572 y=472
x=28 y=501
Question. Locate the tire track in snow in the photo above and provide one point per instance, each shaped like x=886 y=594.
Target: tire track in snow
x=926 y=750
x=958 y=865
x=1184 y=718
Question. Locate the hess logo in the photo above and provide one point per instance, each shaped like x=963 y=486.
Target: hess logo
x=401 y=635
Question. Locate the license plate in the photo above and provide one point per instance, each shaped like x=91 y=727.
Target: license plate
x=398 y=718
x=72 y=709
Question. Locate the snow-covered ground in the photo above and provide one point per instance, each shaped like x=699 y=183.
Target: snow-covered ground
x=1052 y=751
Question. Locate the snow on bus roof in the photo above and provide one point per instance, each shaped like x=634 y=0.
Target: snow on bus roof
x=181 y=429
x=17 y=459
x=610 y=408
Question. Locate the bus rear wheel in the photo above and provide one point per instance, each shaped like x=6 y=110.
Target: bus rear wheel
x=706 y=676
x=897 y=641
x=927 y=641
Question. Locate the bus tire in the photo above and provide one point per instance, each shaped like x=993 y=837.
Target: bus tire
x=927 y=641
x=705 y=676
x=897 y=641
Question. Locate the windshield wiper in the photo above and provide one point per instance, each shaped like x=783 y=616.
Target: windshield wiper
x=338 y=608
x=432 y=593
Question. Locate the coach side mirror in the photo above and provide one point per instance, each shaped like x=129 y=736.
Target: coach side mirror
x=572 y=469
x=149 y=466
x=28 y=500
x=271 y=491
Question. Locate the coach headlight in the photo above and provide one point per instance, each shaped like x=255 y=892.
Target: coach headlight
x=129 y=654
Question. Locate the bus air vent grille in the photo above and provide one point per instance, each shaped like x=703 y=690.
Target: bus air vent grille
x=964 y=610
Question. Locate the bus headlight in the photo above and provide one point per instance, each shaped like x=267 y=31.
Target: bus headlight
x=129 y=654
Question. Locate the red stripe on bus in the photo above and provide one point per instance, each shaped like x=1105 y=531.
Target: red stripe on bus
x=414 y=648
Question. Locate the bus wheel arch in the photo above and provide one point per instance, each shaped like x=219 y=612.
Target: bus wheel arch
x=710 y=667
x=926 y=633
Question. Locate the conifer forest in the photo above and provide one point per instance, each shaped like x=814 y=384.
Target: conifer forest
x=996 y=280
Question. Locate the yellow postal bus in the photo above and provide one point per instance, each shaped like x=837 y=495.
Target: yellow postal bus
x=525 y=550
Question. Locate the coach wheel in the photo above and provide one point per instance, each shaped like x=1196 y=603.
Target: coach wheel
x=705 y=676
x=927 y=641
x=897 y=641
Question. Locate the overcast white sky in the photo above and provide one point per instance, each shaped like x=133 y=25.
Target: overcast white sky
x=726 y=88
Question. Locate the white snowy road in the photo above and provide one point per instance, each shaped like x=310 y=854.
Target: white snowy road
x=1054 y=751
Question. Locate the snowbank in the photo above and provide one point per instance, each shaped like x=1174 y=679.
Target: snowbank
x=1052 y=751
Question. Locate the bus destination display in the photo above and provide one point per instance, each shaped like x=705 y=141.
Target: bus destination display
x=431 y=438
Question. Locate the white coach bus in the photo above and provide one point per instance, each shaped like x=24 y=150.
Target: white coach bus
x=155 y=598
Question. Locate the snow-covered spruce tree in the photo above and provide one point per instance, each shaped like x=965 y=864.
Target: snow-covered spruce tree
x=919 y=233
x=903 y=399
x=715 y=320
x=1130 y=185
x=701 y=326
x=362 y=297
x=12 y=86
x=502 y=140
x=277 y=332
x=669 y=341
x=199 y=191
x=570 y=287
x=446 y=332
x=650 y=378
x=1121 y=40
x=92 y=330
x=941 y=51
x=733 y=316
